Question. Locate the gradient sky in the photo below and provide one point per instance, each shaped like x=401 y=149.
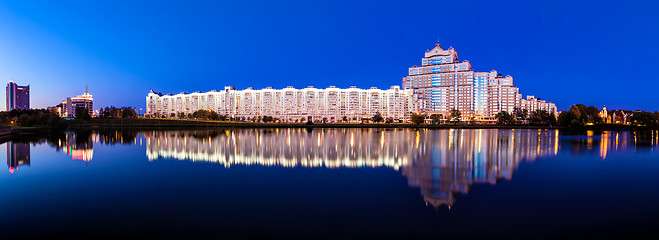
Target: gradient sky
x=592 y=52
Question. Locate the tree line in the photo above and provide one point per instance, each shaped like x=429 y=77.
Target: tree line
x=577 y=115
x=580 y=115
x=113 y=112
x=33 y=118
x=455 y=116
x=522 y=115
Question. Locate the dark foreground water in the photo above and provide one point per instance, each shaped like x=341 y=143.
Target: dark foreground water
x=332 y=183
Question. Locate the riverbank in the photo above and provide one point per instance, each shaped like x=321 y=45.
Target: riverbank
x=165 y=124
x=8 y=133
x=186 y=124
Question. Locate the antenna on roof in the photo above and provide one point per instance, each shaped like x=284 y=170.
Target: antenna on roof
x=86 y=89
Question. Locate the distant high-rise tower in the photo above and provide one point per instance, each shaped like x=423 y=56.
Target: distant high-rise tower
x=18 y=97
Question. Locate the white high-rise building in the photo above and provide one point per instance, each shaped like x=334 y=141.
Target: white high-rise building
x=290 y=104
x=443 y=83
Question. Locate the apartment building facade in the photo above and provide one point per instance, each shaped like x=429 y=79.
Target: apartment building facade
x=290 y=104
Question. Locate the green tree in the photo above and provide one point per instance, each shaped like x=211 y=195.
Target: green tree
x=377 y=117
x=568 y=118
x=25 y=120
x=417 y=118
x=172 y=115
x=33 y=117
x=106 y=112
x=345 y=118
x=82 y=113
x=180 y=115
x=128 y=112
x=579 y=115
x=577 y=111
x=643 y=118
x=436 y=118
x=540 y=117
x=552 y=119
x=505 y=118
x=202 y=114
x=212 y=115
x=455 y=115
x=592 y=115
x=113 y=112
x=520 y=114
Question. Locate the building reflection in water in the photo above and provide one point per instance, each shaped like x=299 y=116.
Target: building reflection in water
x=18 y=153
x=608 y=141
x=441 y=163
x=80 y=146
x=452 y=160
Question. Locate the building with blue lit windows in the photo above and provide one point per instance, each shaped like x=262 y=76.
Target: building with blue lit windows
x=444 y=84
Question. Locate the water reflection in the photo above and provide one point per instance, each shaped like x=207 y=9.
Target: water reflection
x=18 y=154
x=80 y=146
x=329 y=148
x=440 y=163
x=605 y=142
x=451 y=161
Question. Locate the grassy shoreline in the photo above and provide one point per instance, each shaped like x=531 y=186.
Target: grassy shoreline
x=155 y=124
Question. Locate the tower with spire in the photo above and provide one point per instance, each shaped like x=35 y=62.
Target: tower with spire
x=72 y=104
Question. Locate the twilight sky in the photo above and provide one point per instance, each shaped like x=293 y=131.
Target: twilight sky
x=592 y=52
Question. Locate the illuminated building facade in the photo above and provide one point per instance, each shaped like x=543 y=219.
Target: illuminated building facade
x=17 y=154
x=439 y=163
x=80 y=146
x=604 y=114
x=289 y=104
x=69 y=106
x=18 y=97
x=443 y=84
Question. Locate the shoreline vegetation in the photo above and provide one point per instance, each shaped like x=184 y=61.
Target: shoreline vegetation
x=10 y=133
x=578 y=119
x=166 y=124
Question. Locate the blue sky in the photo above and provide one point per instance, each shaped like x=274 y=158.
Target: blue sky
x=592 y=52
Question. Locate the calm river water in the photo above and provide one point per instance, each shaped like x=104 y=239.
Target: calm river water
x=332 y=183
